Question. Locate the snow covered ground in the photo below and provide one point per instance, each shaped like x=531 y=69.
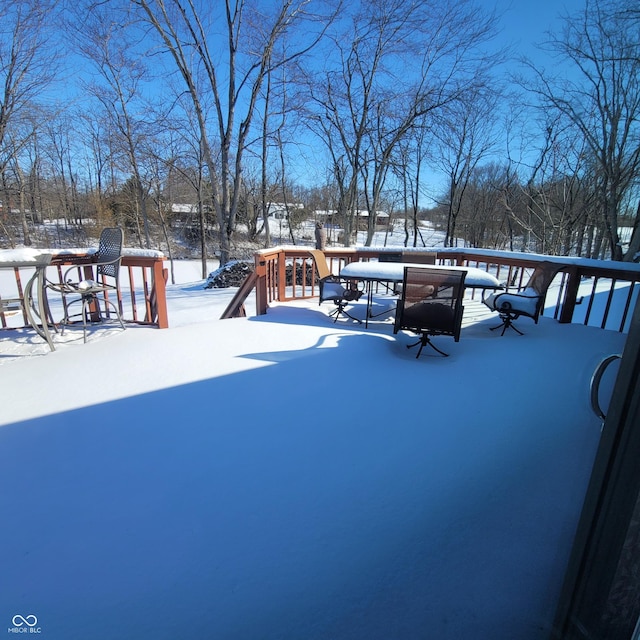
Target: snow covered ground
x=284 y=477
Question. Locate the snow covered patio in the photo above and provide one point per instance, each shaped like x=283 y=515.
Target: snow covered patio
x=285 y=477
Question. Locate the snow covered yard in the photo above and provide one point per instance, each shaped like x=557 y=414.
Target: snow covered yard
x=286 y=477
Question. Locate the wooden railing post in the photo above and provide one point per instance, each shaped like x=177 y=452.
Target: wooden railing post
x=282 y=277
x=261 y=285
x=159 y=294
x=570 y=295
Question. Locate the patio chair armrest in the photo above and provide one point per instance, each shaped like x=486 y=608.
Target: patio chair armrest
x=65 y=276
x=64 y=285
x=507 y=301
x=106 y=262
x=516 y=294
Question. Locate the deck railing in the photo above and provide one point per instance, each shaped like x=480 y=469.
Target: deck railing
x=142 y=281
x=593 y=292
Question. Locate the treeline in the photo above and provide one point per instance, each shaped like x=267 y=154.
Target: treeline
x=557 y=217
x=116 y=112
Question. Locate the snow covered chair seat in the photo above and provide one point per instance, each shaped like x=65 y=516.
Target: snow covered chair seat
x=333 y=288
x=527 y=302
x=430 y=305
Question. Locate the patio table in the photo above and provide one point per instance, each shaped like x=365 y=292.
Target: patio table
x=370 y=272
x=33 y=300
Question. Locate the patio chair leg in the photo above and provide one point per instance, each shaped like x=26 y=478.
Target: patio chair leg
x=86 y=303
x=426 y=341
x=116 y=311
x=514 y=328
x=85 y=307
x=506 y=324
x=346 y=313
x=340 y=310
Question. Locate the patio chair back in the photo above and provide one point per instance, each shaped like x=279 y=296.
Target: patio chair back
x=390 y=256
x=431 y=304
x=542 y=277
x=320 y=260
x=333 y=288
x=109 y=254
x=420 y=257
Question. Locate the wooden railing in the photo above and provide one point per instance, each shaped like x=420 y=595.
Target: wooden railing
x=591 y=292
x=288 y=273
x=142 y=282
x=594 y=292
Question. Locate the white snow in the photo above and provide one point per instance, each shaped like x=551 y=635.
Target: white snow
x=23 y=255
x=537 y=257
x=393 y=271
x=525 y=301
x=285 y=477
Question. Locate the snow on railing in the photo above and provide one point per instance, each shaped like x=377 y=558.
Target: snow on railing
x=142 y=282
x=586 y=291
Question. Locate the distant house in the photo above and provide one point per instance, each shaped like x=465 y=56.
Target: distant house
x=184 y=209
x=362 y=219
x=280 y=210
x=186 y=213
x=361 y=215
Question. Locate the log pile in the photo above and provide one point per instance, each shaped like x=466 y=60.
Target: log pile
x=231 y=274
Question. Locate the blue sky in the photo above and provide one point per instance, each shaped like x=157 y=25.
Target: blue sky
x=525 y=22
x=523 y=25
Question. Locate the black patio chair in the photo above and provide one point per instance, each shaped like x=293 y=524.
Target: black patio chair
x=430 y=305
x=334 y=289
x=420 y=257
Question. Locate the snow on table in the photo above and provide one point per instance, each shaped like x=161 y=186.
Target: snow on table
x=394 y=272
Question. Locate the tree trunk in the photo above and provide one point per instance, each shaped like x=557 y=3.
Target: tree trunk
x=633 y=252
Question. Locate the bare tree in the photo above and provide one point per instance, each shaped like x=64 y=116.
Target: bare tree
x=397 y=62
x=184 y=157
x=27 y=65
x=281 y=116
x=408 y=168
x=95 y=161
x=58 y=133
x=26 y=60
x=483 y=216
x=234 y=69
x=601 y=98
x=558 y=190
x=104 y=39
x=465 y=135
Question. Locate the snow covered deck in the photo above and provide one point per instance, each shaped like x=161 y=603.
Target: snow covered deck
x=281 y=476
